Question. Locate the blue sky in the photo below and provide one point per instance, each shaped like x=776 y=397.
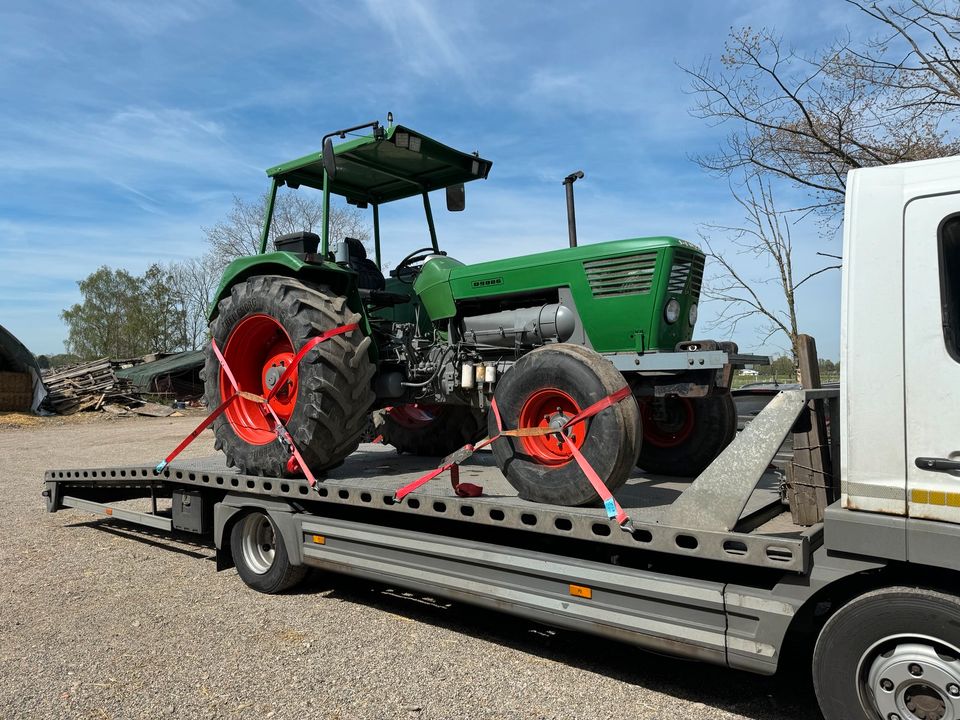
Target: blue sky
x=125 y=126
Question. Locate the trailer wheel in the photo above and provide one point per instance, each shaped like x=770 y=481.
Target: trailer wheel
x=682 y=436
x=259 y=328
x=431 y=430
x=892 y=653
x=260 y=556
x=545 y=388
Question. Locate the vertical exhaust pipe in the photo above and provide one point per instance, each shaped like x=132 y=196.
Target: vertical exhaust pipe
x=568 y=182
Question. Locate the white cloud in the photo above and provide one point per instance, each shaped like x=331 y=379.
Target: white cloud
x=426 y=37
x=147 y=17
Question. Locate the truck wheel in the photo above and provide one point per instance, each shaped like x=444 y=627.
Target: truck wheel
x=682 y=436
x=260 y=556
x=545 y=388
x=259 y=328
x=431 y=430
x=892 y=653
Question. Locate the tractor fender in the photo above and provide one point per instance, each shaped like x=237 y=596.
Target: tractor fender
x=339 y=279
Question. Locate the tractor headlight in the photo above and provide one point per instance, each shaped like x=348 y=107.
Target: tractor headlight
x=693 y=315
x=671 y=312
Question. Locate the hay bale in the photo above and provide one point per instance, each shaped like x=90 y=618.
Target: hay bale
x=16 y=391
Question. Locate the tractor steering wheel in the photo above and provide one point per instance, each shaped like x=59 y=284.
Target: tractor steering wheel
x=404 y=266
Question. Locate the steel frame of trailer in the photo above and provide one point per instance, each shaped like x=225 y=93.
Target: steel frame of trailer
x=695 y=590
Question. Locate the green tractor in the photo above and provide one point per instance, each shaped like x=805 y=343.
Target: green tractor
x=544 y=335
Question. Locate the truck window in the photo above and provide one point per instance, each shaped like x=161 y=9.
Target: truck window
x=950 y=283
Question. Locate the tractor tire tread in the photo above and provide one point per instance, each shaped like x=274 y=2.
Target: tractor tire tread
x=332 y=408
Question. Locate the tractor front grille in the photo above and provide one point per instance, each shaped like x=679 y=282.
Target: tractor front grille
x=623 y=275
x=686 y=268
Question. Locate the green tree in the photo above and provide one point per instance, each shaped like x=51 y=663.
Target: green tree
x=123 y=315
x=62 y=360
x=784 y=369
x=159 y=317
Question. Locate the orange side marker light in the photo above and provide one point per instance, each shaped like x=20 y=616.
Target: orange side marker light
x=581 y=591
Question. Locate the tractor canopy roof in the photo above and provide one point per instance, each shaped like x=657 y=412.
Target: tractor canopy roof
x=399 y=164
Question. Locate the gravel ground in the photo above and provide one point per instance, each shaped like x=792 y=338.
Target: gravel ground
x=99 y=620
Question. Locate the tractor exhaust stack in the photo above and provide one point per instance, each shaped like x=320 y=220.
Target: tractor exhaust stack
x=568 y=182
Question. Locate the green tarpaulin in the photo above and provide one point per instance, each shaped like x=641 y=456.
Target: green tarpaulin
x=178 y=375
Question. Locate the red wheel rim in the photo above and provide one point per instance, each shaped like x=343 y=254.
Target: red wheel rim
x=551 y=407
x=258 y=351
x=667 y=423
x=414 y=416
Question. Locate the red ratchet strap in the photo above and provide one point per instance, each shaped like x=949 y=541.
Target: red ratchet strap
x=264 y=402
x=452 y=463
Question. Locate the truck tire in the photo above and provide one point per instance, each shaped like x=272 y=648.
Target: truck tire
x=546 y=387
x=890 y=653
x=259 y=328
x=682 y=436
x=260 y=556
x=432 y=430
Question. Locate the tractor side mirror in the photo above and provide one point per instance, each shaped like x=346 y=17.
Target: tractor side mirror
x=329 y=158
x=456 y=198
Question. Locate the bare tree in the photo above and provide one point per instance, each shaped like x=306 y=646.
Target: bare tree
x=917 y=57
x=808 y=119
x=765 y=239
x=193 y=283
x=811 y=118
x=239 y=233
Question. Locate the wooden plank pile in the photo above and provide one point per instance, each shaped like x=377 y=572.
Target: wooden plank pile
x=87 y=386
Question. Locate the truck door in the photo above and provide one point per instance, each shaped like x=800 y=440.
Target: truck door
x=931 y=336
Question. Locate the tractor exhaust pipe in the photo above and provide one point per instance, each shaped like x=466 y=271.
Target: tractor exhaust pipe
x=568 y=182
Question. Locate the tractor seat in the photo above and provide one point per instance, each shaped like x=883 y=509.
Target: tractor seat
x=352 y=254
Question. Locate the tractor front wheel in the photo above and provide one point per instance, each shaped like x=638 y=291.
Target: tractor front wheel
x=259 y=328
x=682 y=436
x=431 y=430
x=546 y=388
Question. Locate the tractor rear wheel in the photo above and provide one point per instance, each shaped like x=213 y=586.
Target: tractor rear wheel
x=547 y=387
x=682 y=436
x=259 y=328
x=431 y=430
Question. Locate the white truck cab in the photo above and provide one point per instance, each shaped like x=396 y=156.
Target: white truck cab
x=900 y=348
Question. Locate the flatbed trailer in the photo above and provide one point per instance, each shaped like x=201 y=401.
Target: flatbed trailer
x=700 y=590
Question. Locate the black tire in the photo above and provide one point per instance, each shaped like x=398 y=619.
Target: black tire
x=876 y=638
x=712 y=427
x=333 y=395
x=612 y=436
x=452 y=427
x=264 y=570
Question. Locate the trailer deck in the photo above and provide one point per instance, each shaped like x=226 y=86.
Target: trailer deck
x=764 y=535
